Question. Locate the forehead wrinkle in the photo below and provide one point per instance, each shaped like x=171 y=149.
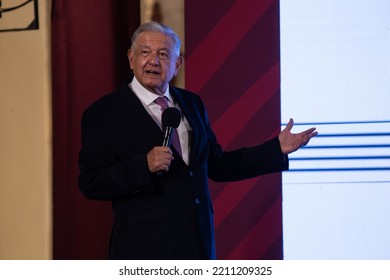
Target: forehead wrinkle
x=151 y=43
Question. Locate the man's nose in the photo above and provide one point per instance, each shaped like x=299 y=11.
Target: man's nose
x=154 y=60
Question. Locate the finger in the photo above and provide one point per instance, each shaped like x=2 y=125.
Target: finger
x=309 y=131
x=307 y=137
x=290 y=125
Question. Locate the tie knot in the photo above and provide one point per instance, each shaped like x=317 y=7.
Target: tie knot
x=162 y=101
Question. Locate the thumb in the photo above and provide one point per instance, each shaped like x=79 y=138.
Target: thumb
x=290 y=125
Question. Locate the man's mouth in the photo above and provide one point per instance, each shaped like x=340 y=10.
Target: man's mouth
x=152 y=72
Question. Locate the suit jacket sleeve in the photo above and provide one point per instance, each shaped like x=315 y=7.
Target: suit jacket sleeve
x=247 y=162
x=243 y=163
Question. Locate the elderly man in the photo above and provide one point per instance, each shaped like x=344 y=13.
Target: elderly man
x=160 y=198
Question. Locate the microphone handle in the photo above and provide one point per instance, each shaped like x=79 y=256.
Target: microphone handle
x=166 y=141
x=167 y=136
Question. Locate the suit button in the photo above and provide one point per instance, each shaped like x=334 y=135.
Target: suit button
x=197 y=201
x=191 y=174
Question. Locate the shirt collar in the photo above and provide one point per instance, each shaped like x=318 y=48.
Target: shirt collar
x=146 y=96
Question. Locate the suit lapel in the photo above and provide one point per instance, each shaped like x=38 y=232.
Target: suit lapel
x=138 y=115
x=187 y=108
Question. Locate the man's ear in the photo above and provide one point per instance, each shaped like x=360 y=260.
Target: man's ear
x=178 y=63
x=130 y=57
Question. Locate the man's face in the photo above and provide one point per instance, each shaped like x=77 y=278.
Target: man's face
x=153 y=61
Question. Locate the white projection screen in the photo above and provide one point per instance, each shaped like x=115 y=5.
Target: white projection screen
x=335 y=75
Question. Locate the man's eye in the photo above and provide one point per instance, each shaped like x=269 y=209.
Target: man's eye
x=144 y=52
x=164 y=55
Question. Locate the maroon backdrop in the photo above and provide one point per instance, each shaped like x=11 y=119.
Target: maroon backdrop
x=232 y=61
x=89 y=43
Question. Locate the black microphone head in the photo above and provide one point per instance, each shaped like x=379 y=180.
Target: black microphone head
x=171 y=117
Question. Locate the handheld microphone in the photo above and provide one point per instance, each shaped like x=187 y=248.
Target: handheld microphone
x=170 y=120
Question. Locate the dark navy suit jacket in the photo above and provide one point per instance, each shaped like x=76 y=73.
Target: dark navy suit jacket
x=167 y=216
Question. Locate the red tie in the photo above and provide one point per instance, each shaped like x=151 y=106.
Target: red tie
x=163 y=103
